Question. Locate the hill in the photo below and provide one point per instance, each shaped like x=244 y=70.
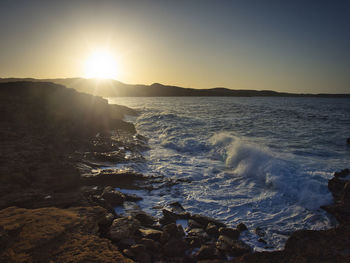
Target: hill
x=111 y=88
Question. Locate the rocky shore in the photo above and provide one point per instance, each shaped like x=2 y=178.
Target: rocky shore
x=58 y=198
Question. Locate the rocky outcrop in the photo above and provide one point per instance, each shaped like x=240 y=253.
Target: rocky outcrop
x=45 y=131
x=55 y=235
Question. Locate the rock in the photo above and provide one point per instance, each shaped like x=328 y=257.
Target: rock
x=262 y=241
x=55 y=235
x=175 y=248
x=194 y=224
x=114 y=178
x=233 y=247
x=207 y=252
x=260 y=232
x=150 y=233
x=112 y=196
x=123 y=228
x=144 y=218
x=170 y=215
x=240 y=248
x=194 y=241
x=348 y=141
x=241 y=227
x=229 y=232
x=138 y=252
x=199 y=233
x=177 y=208
x=150 y=244
x=343 y=173
x=212 y=230
x=205 y=220
x=171 y=231
x=336 y=186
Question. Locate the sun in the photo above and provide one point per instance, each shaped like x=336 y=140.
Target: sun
x=102 y=65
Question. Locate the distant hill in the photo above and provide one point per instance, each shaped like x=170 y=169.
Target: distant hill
x=111 y=88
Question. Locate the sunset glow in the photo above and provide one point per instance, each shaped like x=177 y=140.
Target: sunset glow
x=102 y=65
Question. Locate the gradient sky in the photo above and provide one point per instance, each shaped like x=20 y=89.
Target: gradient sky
x=294 y=46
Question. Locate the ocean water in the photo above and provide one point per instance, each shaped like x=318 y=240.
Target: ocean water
x=262 y=161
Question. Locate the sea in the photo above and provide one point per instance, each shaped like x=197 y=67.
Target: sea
x=263 y=161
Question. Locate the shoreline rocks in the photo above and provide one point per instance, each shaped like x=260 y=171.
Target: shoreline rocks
x=57 y=201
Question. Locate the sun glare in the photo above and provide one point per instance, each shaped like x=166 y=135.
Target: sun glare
x=101 y=65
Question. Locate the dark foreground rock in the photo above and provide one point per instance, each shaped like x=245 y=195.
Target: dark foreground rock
x=55 y=235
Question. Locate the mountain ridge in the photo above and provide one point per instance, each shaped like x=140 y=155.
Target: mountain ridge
x=111 y=88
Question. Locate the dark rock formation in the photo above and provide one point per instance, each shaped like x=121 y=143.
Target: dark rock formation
x=55 y=235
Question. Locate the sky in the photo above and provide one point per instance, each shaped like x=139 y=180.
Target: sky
x=288 y=46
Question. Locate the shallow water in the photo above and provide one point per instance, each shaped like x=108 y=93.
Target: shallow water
x=261 y=161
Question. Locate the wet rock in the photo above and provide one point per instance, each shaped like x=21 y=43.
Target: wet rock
x=233 y=247
x=138 y=252
x=194 y=224
x=112 y=157
x=199 y=233
x=207 y=252
x=177 y=208
x=205 y=220
x=241 y=227
x=123 y=228
x=240 y=248
x=194 y=241
x=171 y=231
x=336 y=186
x=145 y=219
x=212 y=230
x=175 y=248
x=115 y=178
x=112 y=196
x=150 y=233
x=150 y=244
x=229 y=232
x=343 y=173
x=262 y=241
x=260 y=232
x=168 y=217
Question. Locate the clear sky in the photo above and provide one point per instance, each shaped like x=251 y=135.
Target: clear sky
x=294 y=46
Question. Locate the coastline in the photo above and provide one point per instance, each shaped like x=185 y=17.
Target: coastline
x=54 y=166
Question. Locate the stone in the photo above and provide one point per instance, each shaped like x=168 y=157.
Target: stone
x=241 y=227
x=233 y=247
x=150 y=244
x=260 y=232
x=177 y=208
x=112 y=196
x=199 y=233
x=207 y=252
x=229 y=232
x=123 y=228
x=55 y=235
x=175 y=248
x=212 y=230
x=205 y=220
x=144 y=218
x=150 y=233
x=194 y=224
x=343 y=173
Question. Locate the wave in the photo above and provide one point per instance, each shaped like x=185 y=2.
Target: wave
x=270 y=172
